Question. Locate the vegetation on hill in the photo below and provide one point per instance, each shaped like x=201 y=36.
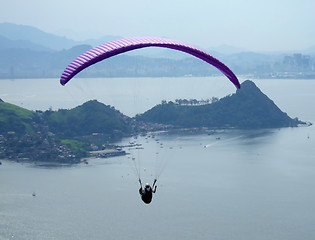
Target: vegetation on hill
x=58 y=136
x=247 y=108
x=79 y=148
x=15 y=119
x=90 y=118
x=69 y=135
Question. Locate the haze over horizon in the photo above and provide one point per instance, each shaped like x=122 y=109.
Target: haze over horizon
x=255 y=26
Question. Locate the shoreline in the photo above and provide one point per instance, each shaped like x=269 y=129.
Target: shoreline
x=118 y=150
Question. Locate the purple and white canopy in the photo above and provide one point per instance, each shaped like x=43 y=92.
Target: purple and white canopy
x=113 y=48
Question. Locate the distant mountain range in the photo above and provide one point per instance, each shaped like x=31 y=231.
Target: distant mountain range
x=33 y=35
x=42 y=40
x=27 y=52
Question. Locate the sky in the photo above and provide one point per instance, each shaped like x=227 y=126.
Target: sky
x=262 y=26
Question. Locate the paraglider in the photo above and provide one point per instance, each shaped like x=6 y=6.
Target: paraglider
x=147 y=192
x=113 y=48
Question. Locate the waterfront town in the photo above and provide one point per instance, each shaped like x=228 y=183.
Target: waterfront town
x=46 y=148
x=34 y=148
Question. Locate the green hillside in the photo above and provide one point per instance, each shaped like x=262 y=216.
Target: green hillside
x=15 y=119
x=90 y=118
x=247 y=108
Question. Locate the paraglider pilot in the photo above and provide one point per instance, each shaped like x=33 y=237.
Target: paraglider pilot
x=147 y=192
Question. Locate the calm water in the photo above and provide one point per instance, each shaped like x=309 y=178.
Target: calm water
x=130 y=96
x=245 y=185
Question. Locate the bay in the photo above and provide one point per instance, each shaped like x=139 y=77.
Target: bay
x=254 y=184
x=128 y=95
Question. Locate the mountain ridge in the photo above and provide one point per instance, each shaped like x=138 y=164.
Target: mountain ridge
x=27 y=52
x=247 y=108
x=69 y=135
x=35 y=35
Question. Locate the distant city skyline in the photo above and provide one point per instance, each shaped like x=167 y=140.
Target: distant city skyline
x=262 y=26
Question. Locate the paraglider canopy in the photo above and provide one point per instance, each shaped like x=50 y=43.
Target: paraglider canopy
x=113 y=48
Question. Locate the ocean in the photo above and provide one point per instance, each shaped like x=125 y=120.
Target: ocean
x=229 y=184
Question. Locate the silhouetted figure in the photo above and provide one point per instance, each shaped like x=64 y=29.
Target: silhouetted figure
x=147 y=192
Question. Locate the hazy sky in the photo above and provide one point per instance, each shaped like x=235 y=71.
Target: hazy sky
x=268 y=25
